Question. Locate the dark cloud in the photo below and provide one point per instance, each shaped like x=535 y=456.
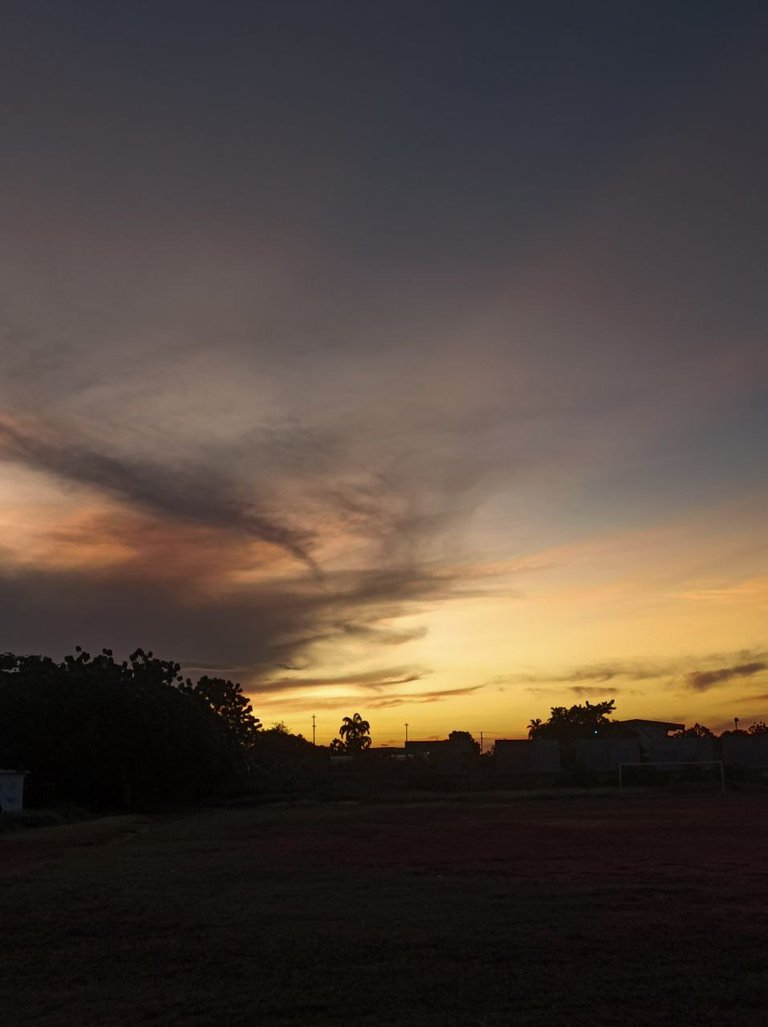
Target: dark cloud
x=597 y=672
x=199 y=576
x=53 y=611
x=555 y=693
x=192 y=493
x=252 y=629
x=702 y=680
x=384 y=636
x=371 y=680
x=608 y=671
x=247 y=633
x=288 y=486
x=666 y=671
x=365 y=633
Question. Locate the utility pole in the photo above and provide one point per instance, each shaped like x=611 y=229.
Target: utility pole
x=481 y=743
x=406 y=732
x=313 y=728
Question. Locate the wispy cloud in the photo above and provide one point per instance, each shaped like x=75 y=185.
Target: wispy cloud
x=194 y=493
x=587 y=690
x=702 y=680
x=614 y=677
x=168 y=558
x=440 y=695
x=608 y=671
x=353 y=699
x=368 y=681
x=579 y=677
x=751 y=590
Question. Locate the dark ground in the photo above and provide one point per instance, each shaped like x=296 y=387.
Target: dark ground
x=595 y=910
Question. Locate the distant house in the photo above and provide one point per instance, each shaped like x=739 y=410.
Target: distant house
x=657 y=747
x=12 y=791
x=649 y=732
x=631 y=741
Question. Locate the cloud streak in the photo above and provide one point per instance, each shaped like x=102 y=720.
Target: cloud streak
x=193 y=494
x=370 y=702
x=578 y=679
x=368 y=681
x=194 y=589
x=703 y=680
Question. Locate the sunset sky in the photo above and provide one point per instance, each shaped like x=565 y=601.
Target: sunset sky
x=401 y=358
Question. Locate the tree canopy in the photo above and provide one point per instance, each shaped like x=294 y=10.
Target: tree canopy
x=355 y=736
x=466 y=738
x=589 y=720
x=106 y=733
x=228 y=702
x=696 y=731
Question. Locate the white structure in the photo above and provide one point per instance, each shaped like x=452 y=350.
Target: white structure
x=11 y=791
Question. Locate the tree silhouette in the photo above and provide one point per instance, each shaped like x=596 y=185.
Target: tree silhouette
x=466 y=738
x=228 y=702
x=355 y=735
x=697 y=731
x=581 y=721
x=108 y=734
x=285 y=762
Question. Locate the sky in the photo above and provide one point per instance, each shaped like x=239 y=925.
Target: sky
x=406 y=359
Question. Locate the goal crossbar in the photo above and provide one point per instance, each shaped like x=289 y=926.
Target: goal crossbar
x=675 y=763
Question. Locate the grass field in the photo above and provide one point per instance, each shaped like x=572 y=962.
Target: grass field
x=594 y=910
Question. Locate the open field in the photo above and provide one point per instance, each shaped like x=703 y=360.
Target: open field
x=595 y=910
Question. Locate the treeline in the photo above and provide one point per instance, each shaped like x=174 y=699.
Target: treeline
x=108 y=735
x=592 y=720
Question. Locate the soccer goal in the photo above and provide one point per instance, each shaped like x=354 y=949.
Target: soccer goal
x=716 y=765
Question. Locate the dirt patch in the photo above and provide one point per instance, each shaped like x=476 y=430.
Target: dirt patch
x=641 y=911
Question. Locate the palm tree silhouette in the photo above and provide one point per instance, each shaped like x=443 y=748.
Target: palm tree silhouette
x=356 y=733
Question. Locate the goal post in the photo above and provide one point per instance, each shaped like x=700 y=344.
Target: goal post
x=675 y=766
